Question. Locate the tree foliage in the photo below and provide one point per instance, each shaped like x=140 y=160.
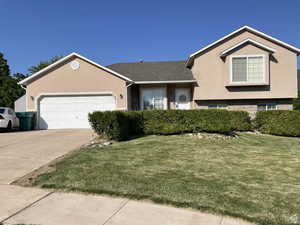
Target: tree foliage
x=20 y=76
x=41 y=65
x=10 y=91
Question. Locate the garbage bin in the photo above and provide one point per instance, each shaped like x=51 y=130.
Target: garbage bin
x=27 y=120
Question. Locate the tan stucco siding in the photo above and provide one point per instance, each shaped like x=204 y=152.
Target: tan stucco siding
x=87 y=79
x=213 y=73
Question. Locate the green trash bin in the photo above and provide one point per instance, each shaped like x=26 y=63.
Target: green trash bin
x=27 y=120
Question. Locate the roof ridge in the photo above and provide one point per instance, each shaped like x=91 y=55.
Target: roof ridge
x=138 y=62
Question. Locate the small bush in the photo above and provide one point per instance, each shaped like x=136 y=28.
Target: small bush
x=240 y=120
x=278 y=122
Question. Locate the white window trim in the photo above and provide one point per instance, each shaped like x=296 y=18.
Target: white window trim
x=154 y=88
x=247 y=56
x=218 y=106
x=266 y=104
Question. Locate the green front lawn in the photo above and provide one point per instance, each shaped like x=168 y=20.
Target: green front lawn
x=252 y=177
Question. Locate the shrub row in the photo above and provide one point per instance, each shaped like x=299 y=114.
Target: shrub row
x=240 y=120
x=186 y=121
x=278 y=122
x=120 y=125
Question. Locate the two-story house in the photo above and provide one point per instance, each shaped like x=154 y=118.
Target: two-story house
x=245 y=70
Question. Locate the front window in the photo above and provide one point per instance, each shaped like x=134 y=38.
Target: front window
x=247 y=69
x=154 y=99
x=266 y=107
x=2 y=110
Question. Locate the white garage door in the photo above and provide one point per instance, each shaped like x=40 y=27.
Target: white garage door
x=62 y=112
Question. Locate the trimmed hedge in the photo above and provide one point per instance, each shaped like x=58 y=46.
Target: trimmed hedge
x=120 y=125
x=116 y=125
x=240 y=121
x=186 y=121
x=278 y=122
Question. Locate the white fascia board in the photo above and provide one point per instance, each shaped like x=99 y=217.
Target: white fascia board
x=240 y=29
x=26 y=80
x=248 y=41
x=164 y=82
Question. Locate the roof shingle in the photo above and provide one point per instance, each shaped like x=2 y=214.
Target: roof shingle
x=154 y=71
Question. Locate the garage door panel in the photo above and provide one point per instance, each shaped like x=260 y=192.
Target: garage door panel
x=59 y=112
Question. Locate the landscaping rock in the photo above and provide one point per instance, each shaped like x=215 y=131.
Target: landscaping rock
x=106 y=143
x=213 y=136
x=97 y=143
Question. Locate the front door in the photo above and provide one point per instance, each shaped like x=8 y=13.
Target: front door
x=183 y=98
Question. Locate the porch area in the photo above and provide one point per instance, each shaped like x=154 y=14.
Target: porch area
x=160 y=96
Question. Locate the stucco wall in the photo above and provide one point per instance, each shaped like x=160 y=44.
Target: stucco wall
x=213 y=74
x=87 y=79
x=20 y=104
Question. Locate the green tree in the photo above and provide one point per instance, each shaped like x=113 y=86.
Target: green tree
x=18 y=77
x=41 y=65
x=296 y=102
x=9 y=88
x=4 y=68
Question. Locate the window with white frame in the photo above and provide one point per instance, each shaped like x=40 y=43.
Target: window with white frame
x=153 y=98
x=247 y=69
x=266 y=107
x=217 y=106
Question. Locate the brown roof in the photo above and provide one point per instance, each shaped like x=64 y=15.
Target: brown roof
x=154 y=71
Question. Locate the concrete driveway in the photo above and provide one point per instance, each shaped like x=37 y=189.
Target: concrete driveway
x=23 y=152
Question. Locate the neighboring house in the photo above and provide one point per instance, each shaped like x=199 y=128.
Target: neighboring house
x=245 y=70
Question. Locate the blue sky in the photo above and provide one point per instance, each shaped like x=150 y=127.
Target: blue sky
x=125 y=31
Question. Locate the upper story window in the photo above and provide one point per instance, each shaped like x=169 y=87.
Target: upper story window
x=247 y=69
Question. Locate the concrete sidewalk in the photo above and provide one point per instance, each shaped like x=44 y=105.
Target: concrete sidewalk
x=35 y=206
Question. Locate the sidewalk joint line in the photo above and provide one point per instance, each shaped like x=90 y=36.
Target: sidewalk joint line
x=26 y=207
x=116 y=212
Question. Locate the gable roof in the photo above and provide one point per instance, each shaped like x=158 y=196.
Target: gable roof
x=249 y=40
x=46 y=69
x=155 y=72
x=244 y=28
